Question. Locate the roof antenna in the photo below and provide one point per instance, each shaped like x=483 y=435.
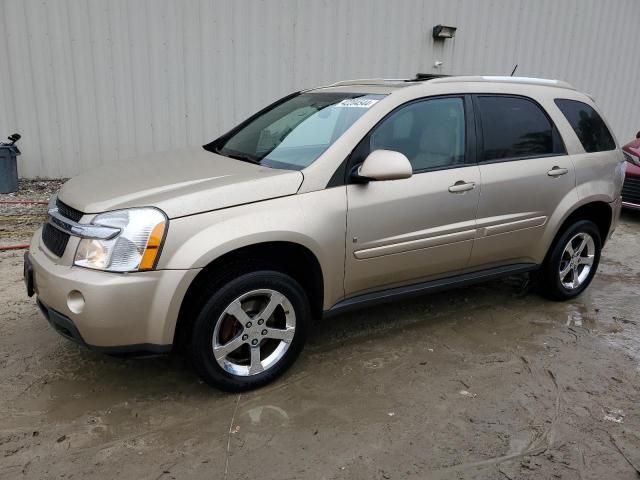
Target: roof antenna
x=514 y=69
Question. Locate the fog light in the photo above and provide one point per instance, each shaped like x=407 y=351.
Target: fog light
x=75 y=301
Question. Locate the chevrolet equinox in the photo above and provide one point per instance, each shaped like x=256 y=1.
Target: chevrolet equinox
x=329 y=199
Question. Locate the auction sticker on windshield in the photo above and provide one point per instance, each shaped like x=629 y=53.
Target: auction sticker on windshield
x=357 y=102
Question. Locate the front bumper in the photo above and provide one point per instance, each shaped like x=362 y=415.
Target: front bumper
x=109 y=311
x=65 y=327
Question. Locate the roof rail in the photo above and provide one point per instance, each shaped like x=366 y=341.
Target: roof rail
x=368 y=81
x=506 y=79
x=439 y=78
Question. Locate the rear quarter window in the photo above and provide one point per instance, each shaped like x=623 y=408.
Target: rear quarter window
x=588 y=125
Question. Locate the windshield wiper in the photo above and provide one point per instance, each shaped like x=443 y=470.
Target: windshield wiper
x=239 y=156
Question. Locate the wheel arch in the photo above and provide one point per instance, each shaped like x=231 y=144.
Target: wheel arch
x=288 y=257
x=597 y=211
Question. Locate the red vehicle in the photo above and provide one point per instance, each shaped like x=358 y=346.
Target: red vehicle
x=631 y=189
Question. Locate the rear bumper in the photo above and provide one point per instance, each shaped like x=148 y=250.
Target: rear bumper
x=111 y=312
x=616 y=209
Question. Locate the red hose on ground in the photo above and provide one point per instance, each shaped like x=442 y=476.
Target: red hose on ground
x=20 y=246
x=25 y=202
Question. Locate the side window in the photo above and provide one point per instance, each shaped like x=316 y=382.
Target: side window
x=514 y=127
x=431 y=133
x=588 y=125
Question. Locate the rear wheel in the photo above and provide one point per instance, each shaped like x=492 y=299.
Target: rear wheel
x=250 y=330
x=572 y=261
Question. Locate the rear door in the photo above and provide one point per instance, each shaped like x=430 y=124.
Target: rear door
x=526 y=173
x=405 y=231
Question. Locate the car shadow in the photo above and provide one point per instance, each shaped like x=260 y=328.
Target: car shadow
x=74 y=371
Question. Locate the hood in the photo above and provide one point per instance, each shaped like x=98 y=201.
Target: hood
x=633 y=170
x=633 y=147
x=180 y=182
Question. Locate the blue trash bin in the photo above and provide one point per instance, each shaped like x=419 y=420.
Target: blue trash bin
x=8 y=165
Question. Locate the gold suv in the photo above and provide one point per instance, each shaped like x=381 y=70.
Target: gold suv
x=329 y=199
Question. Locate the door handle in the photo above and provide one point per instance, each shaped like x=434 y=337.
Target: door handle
x=461 y=186
x=557 y=171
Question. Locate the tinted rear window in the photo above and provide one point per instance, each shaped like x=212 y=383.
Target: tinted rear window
x=588 y=125
x=515 y=127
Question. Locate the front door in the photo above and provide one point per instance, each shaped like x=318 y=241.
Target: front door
x=406 y=231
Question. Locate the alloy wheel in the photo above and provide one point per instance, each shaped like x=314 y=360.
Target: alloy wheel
x=576 y=261
x=254 y=332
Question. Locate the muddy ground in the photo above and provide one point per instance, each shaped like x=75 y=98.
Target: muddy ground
x=486 y=382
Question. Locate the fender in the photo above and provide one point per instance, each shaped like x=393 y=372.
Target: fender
x=195 y=241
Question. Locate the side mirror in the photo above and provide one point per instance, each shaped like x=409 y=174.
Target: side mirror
x=383 y=165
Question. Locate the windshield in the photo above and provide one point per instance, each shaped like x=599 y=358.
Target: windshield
x=295 y=132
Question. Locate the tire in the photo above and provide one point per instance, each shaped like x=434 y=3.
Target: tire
x=577 y=270
x=231 y=317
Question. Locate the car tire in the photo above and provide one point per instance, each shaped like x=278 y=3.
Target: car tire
x=262 y=348
x=571 y=265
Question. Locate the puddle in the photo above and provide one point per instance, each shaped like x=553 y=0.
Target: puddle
x=579 y=316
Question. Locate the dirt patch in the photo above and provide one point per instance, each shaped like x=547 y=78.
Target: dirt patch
x=486 y=382
x=19 y=220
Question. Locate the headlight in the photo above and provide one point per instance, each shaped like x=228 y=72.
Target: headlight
x=135 y=248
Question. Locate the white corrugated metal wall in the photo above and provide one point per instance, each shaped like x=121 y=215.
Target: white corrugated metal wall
x=90 y=81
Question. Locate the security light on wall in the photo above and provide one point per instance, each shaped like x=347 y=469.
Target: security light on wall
x=443 y=31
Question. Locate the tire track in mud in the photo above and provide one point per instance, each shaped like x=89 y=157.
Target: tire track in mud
x=538 y=444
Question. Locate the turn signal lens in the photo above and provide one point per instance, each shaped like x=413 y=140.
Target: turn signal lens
x=153 y=247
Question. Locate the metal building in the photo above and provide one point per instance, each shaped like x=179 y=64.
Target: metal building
x=91 y=81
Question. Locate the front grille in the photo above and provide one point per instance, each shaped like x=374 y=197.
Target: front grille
x=54 y=239
x=69 y=212
x=631 y=190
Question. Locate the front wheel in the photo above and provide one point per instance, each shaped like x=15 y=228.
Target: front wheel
x=250 y=331
x=572 y=261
